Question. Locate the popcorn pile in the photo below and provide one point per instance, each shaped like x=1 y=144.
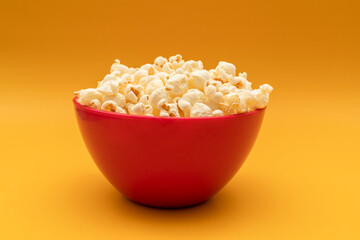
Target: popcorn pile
x=175 y=88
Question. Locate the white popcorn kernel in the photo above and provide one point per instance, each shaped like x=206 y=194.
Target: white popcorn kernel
x=200 y=110
x=171 y=108
x=119 y=99
x=177 y=85
x=179 y=71
x=136 y=109
x=148 y=110
x=162 y=76
x=95 y=103
x=194 y=96
x=119 y=68
x=168 y=68
x=109 y=77
x=138 y=75
x=150 y=69
x=192 y=65
x=86 y=95
x=133 y=92
x=153 y=85
x=218 y=113
x=233 y=104
x=266 y=88
x=224 y=71
x=160 y=61
x=211 y=93
x=176 y=61
x=132 y=70
x=109 y=87
x=244 y=75
x=111 y=107
x=155 y=97
x=164 y=113
x=229 y=68
x=144 y=99
x=120 y=110
x=185 y=107
x=198 y=79
x=262 y=99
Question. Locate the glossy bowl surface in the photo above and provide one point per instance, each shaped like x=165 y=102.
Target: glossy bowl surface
x=168 y=162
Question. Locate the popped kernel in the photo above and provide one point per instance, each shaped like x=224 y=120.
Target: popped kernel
x=175 y=88
x=177 y=85
x=119 y=99
x=200 y=110
x=112 y=107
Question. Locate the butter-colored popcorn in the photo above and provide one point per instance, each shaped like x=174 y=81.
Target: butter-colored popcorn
x=155 y=97
x=153 y=85
x=133 y=92
x=175 y=88
x=164 y=113
x=138 y=75
x=119 y=68
x=171 y=108
x=194 y=96
x=112 y=107
x=151 y=69
x=233 y=104
x=176 y=61
x=191 y=66
x=198 y=78
x=110 y=88
x=136 y=109
x=212 y=93
x=185 y=107
x=266 y=88
x=162 y=76
x=200 y=110
x=95 y=103
x=118 y=98
x=224 y=71
x=218 y=113
x=160 y=61
x=168 y=68
x=86 y=95
x=177 y=85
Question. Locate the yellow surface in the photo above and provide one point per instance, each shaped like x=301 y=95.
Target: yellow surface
x=301 y=180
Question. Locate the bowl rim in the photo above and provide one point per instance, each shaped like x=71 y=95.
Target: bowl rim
x=122 y=115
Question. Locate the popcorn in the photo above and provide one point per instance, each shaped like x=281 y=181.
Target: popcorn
x=95 y=103
x=175 y=88
x=119 y=68
x=160 y=61
x=218 y=113
x=153 y=85
x=177 y=85
x=224 y=71
x=112 y=107
x=198 y=79
x=110 y=87
x=119 y=99
x=185 y=107
x=194 y=96
x=200 y=110
x=86 y=95
x=233 y=104
x=133 y=92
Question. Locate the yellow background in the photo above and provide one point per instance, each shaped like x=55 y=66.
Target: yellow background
x=301 y=180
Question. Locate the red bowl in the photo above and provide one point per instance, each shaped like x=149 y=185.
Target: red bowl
x=168 y=162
